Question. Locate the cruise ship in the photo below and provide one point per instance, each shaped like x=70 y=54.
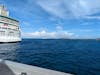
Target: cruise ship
x=9 y=27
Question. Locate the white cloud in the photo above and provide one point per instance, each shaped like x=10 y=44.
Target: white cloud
x=25 y=23
x=46 y=35
x=85 y=30
x=53 y=6
x=72 y=8
x=92 y=17
x=59 y=28
x=82 y=30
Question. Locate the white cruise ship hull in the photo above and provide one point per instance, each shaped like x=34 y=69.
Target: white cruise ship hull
x=9 y=27
x=9 y=39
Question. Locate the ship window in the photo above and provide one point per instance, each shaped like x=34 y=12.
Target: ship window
x=11 y=34
x=2 y=33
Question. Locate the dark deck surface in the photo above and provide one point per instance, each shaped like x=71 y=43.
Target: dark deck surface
x=5 y=70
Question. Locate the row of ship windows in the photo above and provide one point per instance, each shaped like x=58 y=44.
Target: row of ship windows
x=2 y=33
x=8 y=21
x=17 y=29
x=6 y=25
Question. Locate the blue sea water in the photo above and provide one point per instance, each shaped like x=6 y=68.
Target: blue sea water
x=80 y=57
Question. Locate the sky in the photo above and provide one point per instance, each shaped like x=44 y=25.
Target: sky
x=56 y=18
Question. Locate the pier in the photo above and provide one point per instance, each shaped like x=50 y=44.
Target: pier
x=14 y=68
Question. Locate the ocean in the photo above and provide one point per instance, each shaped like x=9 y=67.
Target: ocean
x=79 y=57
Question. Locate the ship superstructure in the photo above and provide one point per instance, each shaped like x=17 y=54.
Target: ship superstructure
x=9 y=27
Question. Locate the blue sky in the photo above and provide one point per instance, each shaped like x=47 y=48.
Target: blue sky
x=56 y=18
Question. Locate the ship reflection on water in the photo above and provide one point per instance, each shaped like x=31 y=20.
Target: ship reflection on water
x=8 y=50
